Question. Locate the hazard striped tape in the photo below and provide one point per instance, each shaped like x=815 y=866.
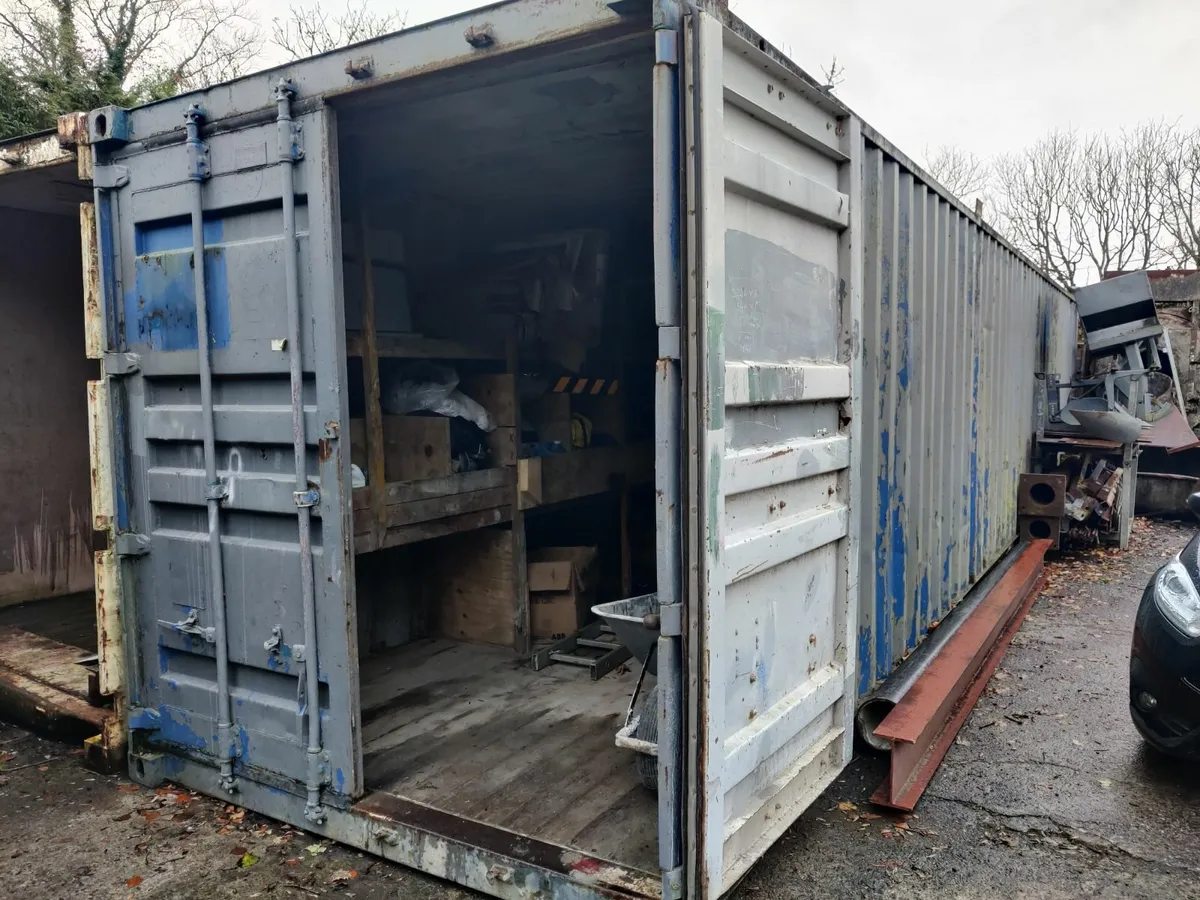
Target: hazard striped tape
x=569 y=384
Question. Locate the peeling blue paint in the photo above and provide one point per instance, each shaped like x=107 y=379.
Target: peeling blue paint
x=175 y=727
x=160 y=307
x=339 y=778
x=864 y=661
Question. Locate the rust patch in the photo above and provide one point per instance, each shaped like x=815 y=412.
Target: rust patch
x=324 y=450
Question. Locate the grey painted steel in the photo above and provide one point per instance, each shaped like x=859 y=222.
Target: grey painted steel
x=214 y=488
x=289 y=154
x=955 y=326
x=667 y=212
x=875 y=706
x=158 y=431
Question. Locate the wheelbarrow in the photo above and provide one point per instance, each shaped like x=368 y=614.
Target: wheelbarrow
x=635 y=623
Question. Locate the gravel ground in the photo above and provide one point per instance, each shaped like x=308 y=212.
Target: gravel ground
x=1048 y=793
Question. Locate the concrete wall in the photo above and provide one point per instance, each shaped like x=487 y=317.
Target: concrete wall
x=45 y=522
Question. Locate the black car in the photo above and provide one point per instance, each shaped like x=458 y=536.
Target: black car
x=1164 y=665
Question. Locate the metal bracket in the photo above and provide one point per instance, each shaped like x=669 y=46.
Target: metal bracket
x=109 y=178
x=298 y=655
x=673 y=884
x=275 y=641
x=666 y=47
x=290 y=147
x=481 y=37
x=190 y=625
x=198 y=168
x=129 y=543
x=388 y=836
x=216 y=490
x=120 y=364
x=670 y=620
x=109 y=125
x=311 y=497
x=142 y=718
x=668 y=342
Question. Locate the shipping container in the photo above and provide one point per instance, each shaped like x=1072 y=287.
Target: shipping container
x=956 y=327
x=630 y=242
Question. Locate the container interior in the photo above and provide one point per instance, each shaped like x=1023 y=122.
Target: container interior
x=498 y=221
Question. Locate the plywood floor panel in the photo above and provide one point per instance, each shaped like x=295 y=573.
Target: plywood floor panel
x=471 y=730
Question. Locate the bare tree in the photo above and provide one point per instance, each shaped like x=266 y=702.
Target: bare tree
x=130 y=50
x=1179 y=199
x=1116 y=217
x=959 y=171
x=1038 y=192
x=309 y=30
x=833 y=74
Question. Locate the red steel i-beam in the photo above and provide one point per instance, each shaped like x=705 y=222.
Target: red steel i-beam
x=925 y=721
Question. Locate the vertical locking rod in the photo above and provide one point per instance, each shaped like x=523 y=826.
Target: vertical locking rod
x=214 y=490
x=289 y=154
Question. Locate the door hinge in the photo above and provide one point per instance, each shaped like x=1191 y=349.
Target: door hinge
x=119 y=364
x=108 y=178
x=666 y=47
x=129 y=543
x=311 y=497
x=673 y=884
x=668 y=342
x=670 y=620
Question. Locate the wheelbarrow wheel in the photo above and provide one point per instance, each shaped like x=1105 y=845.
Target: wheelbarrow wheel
x=647 y=730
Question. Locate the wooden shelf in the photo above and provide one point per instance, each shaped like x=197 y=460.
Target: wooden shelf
x=407 y=346
x=422 y=510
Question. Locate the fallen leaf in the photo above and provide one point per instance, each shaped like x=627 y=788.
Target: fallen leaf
x=343 y=875
x=871 y=817
x=238 y=851
x=122 y=817
x=247 y=860
x=224 y=830
x=888 y=864
x=1106 y=783
x=314 y=849
x=846 y=806
x=128 y=789
x=183 y=815
x=149 y=815
x=238 y=816
x=43 y=768
x=903 y=826
x=291 y=862
x=134 y=881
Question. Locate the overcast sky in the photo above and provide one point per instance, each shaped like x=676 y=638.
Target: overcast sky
x=989 y=76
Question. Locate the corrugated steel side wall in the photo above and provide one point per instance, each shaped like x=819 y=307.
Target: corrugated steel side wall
x=952 y=336
x=1060 y=334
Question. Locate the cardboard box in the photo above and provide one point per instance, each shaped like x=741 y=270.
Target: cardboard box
x=414 y=447
x=559 y=596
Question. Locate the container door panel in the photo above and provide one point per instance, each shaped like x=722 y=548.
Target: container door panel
x=162 y=486
x=772 y=379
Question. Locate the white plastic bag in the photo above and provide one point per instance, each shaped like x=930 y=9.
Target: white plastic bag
x=433 y=388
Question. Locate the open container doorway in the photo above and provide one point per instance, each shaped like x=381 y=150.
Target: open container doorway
x=499 y=307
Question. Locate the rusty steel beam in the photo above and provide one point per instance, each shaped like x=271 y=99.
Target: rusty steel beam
x=924 y=723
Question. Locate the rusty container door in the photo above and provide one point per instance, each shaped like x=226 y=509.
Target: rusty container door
x=221 y=338
x=772 y=304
